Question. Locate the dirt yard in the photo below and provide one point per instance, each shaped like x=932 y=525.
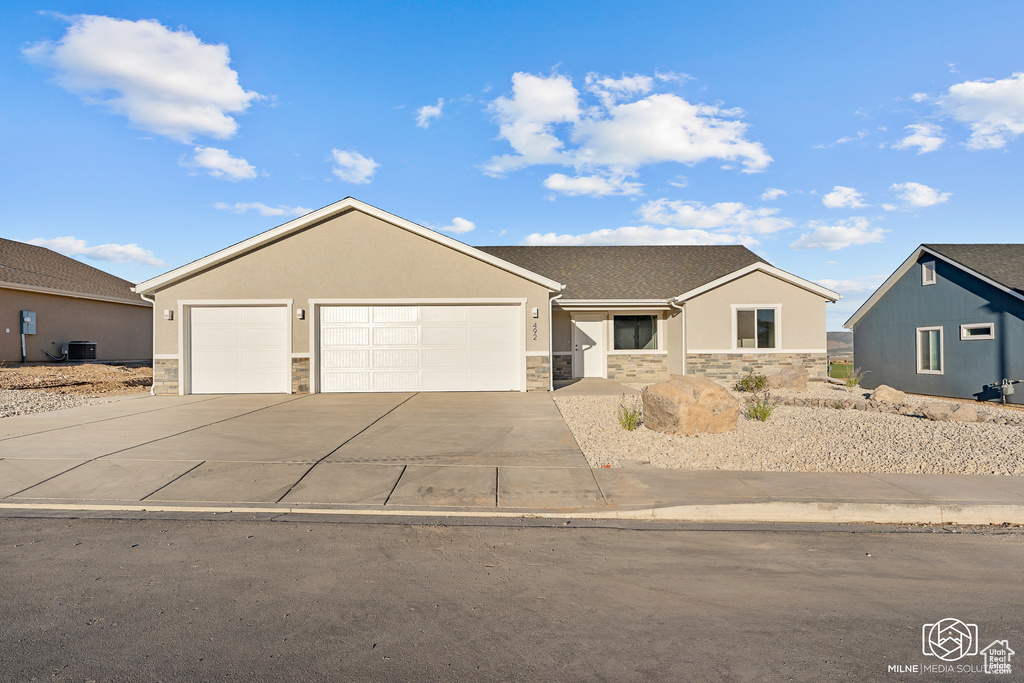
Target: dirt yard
x=92 y=379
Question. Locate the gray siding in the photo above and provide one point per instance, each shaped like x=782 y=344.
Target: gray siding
x=885 y=338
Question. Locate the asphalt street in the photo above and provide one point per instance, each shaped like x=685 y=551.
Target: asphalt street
x=308 y=600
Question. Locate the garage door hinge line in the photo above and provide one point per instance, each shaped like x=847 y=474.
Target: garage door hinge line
x=342 y=445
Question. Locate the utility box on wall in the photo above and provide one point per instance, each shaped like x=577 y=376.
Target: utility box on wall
x=28 y=322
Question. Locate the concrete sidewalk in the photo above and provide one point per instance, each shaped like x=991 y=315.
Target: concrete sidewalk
x=423 y=455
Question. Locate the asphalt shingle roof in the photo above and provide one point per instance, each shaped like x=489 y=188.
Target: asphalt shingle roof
x=626 y=272
x=1003 y=263
x=27 y=264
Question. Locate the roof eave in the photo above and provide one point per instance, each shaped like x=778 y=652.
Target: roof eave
x=74 y=295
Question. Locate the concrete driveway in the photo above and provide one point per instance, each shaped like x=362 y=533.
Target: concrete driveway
x=445 y=450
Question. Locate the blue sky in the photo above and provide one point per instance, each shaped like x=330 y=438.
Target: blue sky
x=830 y=138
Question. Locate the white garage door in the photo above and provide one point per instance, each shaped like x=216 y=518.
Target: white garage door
x=420 y=348
x=239 y=350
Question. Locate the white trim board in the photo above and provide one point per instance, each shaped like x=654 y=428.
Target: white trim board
x=768 y=270
x=331 y=211
x=74 y=295
x=905 y=267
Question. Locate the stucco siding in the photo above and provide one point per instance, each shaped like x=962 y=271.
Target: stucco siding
x=352 y=256
x=561 y=331
x=121 y=331
x=709 y=324
x=885 y=338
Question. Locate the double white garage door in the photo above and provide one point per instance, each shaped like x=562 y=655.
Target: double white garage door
x=245 y=349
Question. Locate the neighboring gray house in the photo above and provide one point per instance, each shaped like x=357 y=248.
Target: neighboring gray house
x=351 y=298
x=948 y=322
x=72 y=302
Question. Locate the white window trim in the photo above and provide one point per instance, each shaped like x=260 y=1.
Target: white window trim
x=966 y=337
x=778 y=328
x=610 y=335
x=926 y=267
x=942 y=351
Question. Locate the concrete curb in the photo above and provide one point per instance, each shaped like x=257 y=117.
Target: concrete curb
x=793 y=512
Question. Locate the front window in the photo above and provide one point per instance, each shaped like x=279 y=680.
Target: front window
x=929 y=350
x=755 y=328
x=634 y=332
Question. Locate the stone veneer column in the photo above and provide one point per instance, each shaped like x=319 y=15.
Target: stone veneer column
x=300 y=375
x=165 y=376
x=538 y=373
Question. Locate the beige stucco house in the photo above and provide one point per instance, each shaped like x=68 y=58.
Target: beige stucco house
x=71 y=301
x=351 y=298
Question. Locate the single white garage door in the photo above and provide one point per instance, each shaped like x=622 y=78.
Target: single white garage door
x=420 y=348
x=239 y=350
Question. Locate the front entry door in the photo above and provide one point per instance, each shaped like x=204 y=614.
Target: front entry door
x=588 y=346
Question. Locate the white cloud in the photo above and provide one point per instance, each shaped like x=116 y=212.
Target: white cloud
x=219 y=163
x=992 y=109
x=772 y=193
x=263 y=209
x=546 y=121
x=115 y=253
x=861 y=134
x=353 y=167
x=728 y=217
x=164 y=81
x=864 y=284
x=429 y=112
x=927 y=137
x=591 y=185
x=459 y=226
x=642 y=234
x=890 y=207
x=845 y=233
x=918 y=195
x=919 y=97
x=841 y=197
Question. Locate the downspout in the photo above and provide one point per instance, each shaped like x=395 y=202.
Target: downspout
x=551 y=339
x=682 y=338
x=152 y=386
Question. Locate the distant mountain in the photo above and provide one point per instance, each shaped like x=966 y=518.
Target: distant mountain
x=840 y=343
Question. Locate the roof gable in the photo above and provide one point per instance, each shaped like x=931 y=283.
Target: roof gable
x=32 y=268
x=321 y=215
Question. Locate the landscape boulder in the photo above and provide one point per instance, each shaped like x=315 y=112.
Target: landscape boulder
x=689 y=405
x=886 y=394
x=949 y=412
x=790 y=377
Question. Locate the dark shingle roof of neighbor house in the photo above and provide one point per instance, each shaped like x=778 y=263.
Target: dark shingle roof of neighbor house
x=626 y=272
x=32 y=266
x=1003 y=263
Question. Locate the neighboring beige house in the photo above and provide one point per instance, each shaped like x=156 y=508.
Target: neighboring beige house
x=351 y=298
x=72 y=302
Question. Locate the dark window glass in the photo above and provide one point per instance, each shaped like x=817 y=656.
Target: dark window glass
x=636 y=332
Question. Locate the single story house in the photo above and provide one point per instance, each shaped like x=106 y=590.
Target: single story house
x=948 y=322
x=351 y=298
x=71 y=301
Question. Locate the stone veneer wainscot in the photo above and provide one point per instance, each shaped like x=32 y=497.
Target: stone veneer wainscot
x=732 y=366
x=300 y=375
x=643 y=367
x=563 y=366
x=538 y=373
x=165 y=376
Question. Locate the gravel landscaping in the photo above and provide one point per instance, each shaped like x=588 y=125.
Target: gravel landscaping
x=800 y=439
x=21 y=402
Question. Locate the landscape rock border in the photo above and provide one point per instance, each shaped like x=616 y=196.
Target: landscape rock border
x=922 y=411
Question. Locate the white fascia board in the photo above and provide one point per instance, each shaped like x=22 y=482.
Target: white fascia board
x=337 y=208
x=75 y=295
x=660 y=304
x=764 y=268
x=906 y=266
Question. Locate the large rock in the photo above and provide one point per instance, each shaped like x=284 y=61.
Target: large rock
x=949 y=412
x=790 y=377
x=689 y=405
x=887 y=394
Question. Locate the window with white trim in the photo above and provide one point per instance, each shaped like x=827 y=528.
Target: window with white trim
x=929 y=350
x=928 y=273
x=978 y=331
x=755 y=328
x=634 y=332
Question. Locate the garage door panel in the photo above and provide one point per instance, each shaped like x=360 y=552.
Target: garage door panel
x=239 y=349
x=421 y=348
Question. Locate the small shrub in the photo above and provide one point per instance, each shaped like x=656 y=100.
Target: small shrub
x=630 y=414
x=838 y=405
x=760 y=407
x=855 y=377
x=751 y=383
